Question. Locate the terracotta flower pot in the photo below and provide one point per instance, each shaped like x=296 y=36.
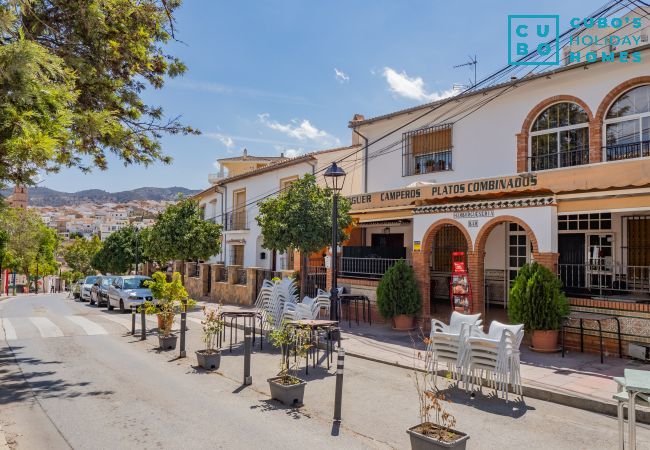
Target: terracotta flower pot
x=403 y=322
x=545 y=340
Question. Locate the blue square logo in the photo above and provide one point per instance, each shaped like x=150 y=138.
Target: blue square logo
x=537 y=35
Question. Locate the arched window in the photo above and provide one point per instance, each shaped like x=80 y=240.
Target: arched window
x=559 y=137
x=627 y=125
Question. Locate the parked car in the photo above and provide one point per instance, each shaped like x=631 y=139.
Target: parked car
x=127 y=291
x=86 y=286
x=76 y=288
x=99 y=291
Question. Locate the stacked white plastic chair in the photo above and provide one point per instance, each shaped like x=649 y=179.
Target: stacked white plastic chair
x=323 y=299
x=495 y=357
x=448 y=344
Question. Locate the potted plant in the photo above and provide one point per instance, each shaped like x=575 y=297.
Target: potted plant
x=170 y=298
x=398 y=297
x=210 y=357
x=435 y=429
x=536 y=300
x=293 y=342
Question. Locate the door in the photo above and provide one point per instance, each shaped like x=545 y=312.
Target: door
x=571 y=263
x=239 y=209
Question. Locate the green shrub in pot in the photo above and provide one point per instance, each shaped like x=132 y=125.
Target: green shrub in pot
x=398 y=297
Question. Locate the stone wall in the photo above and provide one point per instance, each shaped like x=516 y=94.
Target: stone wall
x=233 y=285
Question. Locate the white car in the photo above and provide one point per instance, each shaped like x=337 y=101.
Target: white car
x=127 y=291
x=86 y=287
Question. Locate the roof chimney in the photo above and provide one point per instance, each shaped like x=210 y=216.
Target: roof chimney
x=356 y=139
x=282 y=155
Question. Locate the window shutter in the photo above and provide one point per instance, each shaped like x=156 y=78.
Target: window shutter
x=431 y=142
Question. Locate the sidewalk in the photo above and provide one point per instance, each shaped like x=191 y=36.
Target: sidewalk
x=577 y=380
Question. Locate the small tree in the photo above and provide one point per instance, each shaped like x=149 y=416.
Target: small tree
x=300 y=218
x=292 y=341
x=181 y=233
x=118 y=253
x=536 y=299
x=170 y=296
x=397 y=292
x=78 y=255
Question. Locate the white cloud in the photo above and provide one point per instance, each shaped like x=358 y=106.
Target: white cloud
x=302 y=130
x=293 y=152
x=401 y=84
x=227 y=141
x=341 y=76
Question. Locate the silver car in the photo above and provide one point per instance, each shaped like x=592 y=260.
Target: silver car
x=127 y=291
x=86 y=287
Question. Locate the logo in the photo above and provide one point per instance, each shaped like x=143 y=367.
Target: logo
x=537 y=34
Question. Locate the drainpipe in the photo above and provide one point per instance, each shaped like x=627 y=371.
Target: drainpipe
x=365 y=160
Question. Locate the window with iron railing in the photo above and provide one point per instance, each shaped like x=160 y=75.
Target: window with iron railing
x=627 y=126
x=427 y=150
x=559 y=137
x=236 y=220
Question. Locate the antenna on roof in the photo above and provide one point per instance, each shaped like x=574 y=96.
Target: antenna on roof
x=472 y=62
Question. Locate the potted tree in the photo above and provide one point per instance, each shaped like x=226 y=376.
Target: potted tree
x=398 y=297
x=537 y=301
x=210 y=357
x=435 y=429
x=293 y=342
x=170 y=298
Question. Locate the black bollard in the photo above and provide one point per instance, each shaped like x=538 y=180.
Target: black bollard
x=248 y=345
x=143 y=332
x=183 y=325
x=338 y=395
x=132 y=320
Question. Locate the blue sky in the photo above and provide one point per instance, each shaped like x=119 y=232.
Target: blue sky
x=286 y=75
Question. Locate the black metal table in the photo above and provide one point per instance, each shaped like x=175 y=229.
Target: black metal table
x=315 y=326
x=234 y=316
x=356 y=298
x=594 y=317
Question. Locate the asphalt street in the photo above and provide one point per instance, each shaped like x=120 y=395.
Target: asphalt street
x=71 y=376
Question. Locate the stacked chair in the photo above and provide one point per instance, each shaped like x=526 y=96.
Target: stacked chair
x=471 y=355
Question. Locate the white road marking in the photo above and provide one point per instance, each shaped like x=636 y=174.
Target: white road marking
x=90 y=327
x=10 y=331
x=46 y=327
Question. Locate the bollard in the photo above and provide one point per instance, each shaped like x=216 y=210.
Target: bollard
x=132 y=320
x=248 y=344
x=183 y=325
x=143 y=332
x=338 y=396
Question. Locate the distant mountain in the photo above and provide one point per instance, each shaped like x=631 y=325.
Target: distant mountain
x=42 y=196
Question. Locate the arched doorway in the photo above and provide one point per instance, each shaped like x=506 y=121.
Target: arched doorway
x=442 y=238
x=504 y=245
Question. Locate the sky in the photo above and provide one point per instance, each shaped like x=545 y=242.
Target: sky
x=285 y=76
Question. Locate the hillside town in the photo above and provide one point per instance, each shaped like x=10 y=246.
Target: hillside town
x=468 y=270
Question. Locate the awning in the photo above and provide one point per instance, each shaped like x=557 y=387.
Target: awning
x=392 y=221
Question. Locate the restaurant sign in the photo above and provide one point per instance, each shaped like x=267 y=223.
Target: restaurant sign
x=407 y=196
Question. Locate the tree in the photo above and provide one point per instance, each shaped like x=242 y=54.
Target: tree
x=117 y=254
x=397 y=292
x=30 y=243
x=180 y=232
x=301 y=218
x=79 y=253
x=110 y=51
x=4 y=239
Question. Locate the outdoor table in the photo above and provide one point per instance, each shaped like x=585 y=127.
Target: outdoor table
x=251 y=316
x=314 y=326
x=598 y=318
x=356 y=298
x=636 y=382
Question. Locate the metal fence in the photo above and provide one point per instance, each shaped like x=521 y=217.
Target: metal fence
x=627 y=151
x=366 y=267
x=264 y=274
x=554 y=160
x=604 y=277
x=221 y=274
x=316 y=279
x=195 y=271
x=241 y=277
x=236 y=220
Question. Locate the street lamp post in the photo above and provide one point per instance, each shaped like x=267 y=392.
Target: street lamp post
x=334 y=178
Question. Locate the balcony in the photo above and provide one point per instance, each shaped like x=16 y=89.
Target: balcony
x=556 y=160
x=214 y=178
x=236 y=221
x=627 y=151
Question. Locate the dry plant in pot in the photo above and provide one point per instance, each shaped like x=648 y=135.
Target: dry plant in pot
x=435 y=429
x=210 y=357
x=294 y=343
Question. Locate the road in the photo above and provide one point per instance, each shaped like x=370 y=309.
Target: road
x=72 y=377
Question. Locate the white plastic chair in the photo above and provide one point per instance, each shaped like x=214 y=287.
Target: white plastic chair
x=495 y=354
x=622 y=398
x=447 y=343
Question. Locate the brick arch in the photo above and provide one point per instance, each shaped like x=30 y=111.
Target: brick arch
x=427 y=240
x=522 y=136
x=616 y=93
x=485 y=231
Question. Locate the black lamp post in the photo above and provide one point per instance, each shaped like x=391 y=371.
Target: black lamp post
x=334 y=178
